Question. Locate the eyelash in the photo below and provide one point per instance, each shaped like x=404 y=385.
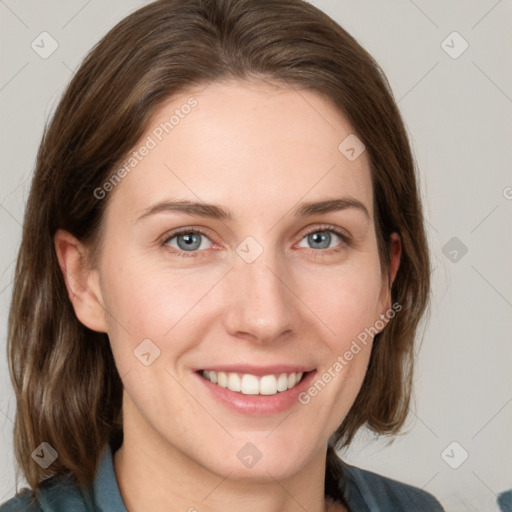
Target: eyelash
x=197 y=254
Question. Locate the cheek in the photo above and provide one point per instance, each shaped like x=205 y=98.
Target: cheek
x=145 y=300
x=345 y=299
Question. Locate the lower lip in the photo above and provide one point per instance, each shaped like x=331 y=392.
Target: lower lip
x=258 y=405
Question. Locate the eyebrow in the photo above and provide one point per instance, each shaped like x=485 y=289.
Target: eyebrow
x=189 y=207
x=330 y=205
x=214 y=211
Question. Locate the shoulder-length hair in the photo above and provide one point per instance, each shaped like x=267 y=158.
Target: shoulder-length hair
x=68 y=391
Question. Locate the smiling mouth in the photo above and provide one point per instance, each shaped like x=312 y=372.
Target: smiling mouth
x=249 y=384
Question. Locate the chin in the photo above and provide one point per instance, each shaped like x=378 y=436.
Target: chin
x=261 y=460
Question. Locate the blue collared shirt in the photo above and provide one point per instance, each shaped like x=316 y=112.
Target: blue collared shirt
x=363 y=491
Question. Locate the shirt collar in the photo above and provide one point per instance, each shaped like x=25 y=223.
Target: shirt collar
x=107 y=496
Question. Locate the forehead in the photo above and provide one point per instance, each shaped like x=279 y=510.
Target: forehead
x=254 y=147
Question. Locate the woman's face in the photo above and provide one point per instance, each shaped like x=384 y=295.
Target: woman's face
x=276 y=271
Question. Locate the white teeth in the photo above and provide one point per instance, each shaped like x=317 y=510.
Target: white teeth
x=268 y=385
x=234 y=382
x=282 y=382
x=222 y=379
x=251 y=385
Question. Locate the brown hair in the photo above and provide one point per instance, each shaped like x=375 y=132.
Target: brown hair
x=68 y=391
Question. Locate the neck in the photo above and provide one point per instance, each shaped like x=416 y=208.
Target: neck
x=181 y=486
x=179 y=482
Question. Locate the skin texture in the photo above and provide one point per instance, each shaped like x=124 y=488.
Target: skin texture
x=258 y=150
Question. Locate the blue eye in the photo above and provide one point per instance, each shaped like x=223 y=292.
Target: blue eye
x=322 y=238
x=188 y=241
x=193 y=242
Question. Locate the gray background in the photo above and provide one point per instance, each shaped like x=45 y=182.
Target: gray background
x=457 y=112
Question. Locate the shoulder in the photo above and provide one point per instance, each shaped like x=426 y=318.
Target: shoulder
x=388 y=494
x=23 y=502
x=57 y=494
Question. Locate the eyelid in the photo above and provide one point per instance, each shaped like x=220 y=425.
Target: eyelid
x=343 y=233
x=184 y=230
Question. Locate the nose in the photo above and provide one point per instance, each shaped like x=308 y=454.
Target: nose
x=262 y=305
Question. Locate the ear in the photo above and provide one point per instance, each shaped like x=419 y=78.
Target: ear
x=82 y=282
x=395 y=253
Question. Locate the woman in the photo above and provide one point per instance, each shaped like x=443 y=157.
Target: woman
x=222 y=270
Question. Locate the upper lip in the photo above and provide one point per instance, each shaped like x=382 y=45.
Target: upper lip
x=274 y=369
